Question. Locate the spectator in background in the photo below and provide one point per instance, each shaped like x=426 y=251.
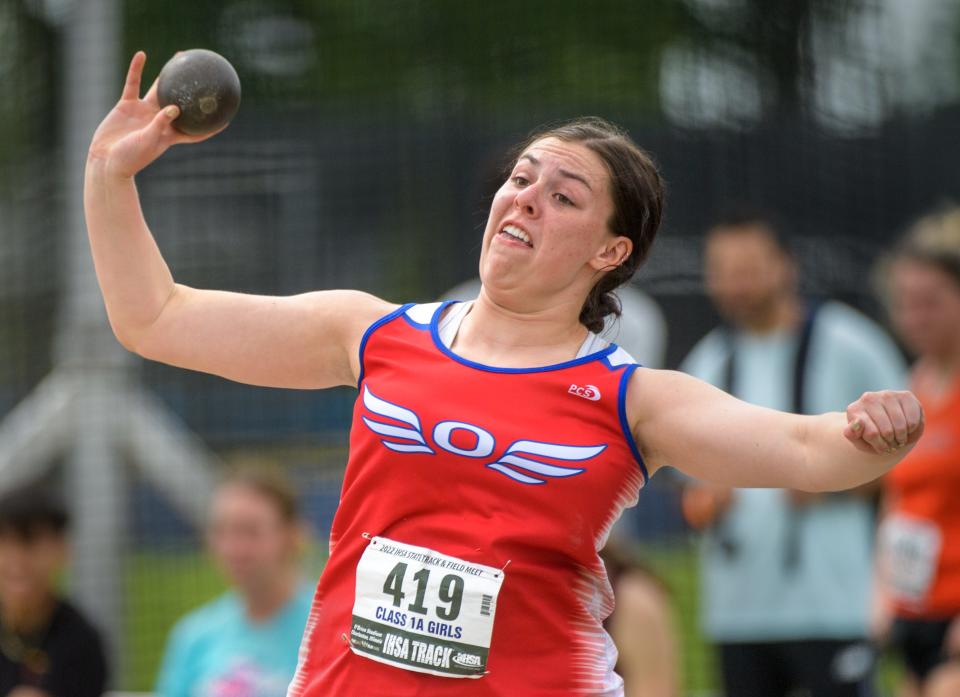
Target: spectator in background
x=47 y=648
x=246 y=642
x=920 y=532
x=785 y=576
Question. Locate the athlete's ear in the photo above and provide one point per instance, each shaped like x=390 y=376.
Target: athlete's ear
x=615 y=251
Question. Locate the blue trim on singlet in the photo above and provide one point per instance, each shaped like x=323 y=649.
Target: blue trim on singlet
x=620 y=366
x=412 y=323
x=435 y=333
x=624 y=423
x=372 y=328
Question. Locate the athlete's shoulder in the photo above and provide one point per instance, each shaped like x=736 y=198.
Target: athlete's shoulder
x=383 y=325
x=418 y=315
x=366 y=307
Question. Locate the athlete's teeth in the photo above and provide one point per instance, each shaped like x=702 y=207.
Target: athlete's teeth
x=517 y=233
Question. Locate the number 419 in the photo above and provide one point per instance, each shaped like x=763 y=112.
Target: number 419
x=450 y=592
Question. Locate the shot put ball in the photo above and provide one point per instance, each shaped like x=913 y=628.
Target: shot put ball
x=205 y=87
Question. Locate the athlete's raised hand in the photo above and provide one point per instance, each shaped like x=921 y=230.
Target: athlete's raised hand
x=137 y=131
x=884 y=422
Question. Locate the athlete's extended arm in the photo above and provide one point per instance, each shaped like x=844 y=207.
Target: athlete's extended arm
x=306 y=341
x=704 y=432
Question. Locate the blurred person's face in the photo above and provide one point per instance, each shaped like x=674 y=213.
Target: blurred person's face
x=29 y=566
x=746 y=274
x=925 y=308
x=558 y=198
x=249 y=537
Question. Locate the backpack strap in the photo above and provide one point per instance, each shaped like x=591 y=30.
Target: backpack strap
x=802 y=359
x=728 y=384
x=791 y=545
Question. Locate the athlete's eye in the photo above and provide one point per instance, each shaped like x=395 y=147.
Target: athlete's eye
x=563 y=199
x=520 y=180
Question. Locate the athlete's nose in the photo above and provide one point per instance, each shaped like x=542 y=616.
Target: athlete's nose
x=526 y=200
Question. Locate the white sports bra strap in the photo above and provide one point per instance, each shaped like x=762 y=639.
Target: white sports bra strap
x=453 y=318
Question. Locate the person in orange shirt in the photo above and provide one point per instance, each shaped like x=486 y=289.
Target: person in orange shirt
x=919 y=537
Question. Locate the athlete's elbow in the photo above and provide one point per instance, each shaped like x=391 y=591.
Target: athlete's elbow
x=123 y=332
x=135 y=338
x=125 y=341
x=145 y=336
x=136 y=343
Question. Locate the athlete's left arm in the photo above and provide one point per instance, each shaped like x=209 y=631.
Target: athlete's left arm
x=702 y=431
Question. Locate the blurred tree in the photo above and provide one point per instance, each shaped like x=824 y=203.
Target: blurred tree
x=27 y=57
x=424 y=55
x=778 y=36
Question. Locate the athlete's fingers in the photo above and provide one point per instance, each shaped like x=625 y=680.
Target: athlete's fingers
x=171 y=112
x=891 y=404
x=138 y=148
x=874 y=404
x=160 y=134
x=854 y=436
x=857 y=420
x=854 y=423
x=884 y=421
x=864 y=417
x=131 y=88
x=913 y=411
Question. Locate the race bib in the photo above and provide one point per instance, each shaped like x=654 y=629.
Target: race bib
x=424 y=611
x=910 y=553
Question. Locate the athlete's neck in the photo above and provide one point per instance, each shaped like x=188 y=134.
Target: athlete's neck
x=497 y=335
x=264 y=601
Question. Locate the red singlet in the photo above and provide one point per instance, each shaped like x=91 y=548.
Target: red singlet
x=920 y=540
x=524 y=470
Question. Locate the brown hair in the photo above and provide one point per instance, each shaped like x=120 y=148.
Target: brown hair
x=637 y=192
x=28 y=511
x=268 y=483
x=935 y=240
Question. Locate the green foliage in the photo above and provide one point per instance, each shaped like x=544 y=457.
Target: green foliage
x=26 y=69
x=425 y=55
x=161 y=588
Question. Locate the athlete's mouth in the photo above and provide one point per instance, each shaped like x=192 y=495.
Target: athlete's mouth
x=516 y=233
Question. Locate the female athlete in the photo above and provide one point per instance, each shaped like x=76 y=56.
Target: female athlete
x=494 y=442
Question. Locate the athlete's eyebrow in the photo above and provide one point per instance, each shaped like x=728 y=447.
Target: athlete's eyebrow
x=564 y=172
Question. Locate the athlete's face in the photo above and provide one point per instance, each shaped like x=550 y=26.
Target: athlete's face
x=249 y=538
x=29 y=566
x=746 y=274
x=557 y=201
x=925 y=308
